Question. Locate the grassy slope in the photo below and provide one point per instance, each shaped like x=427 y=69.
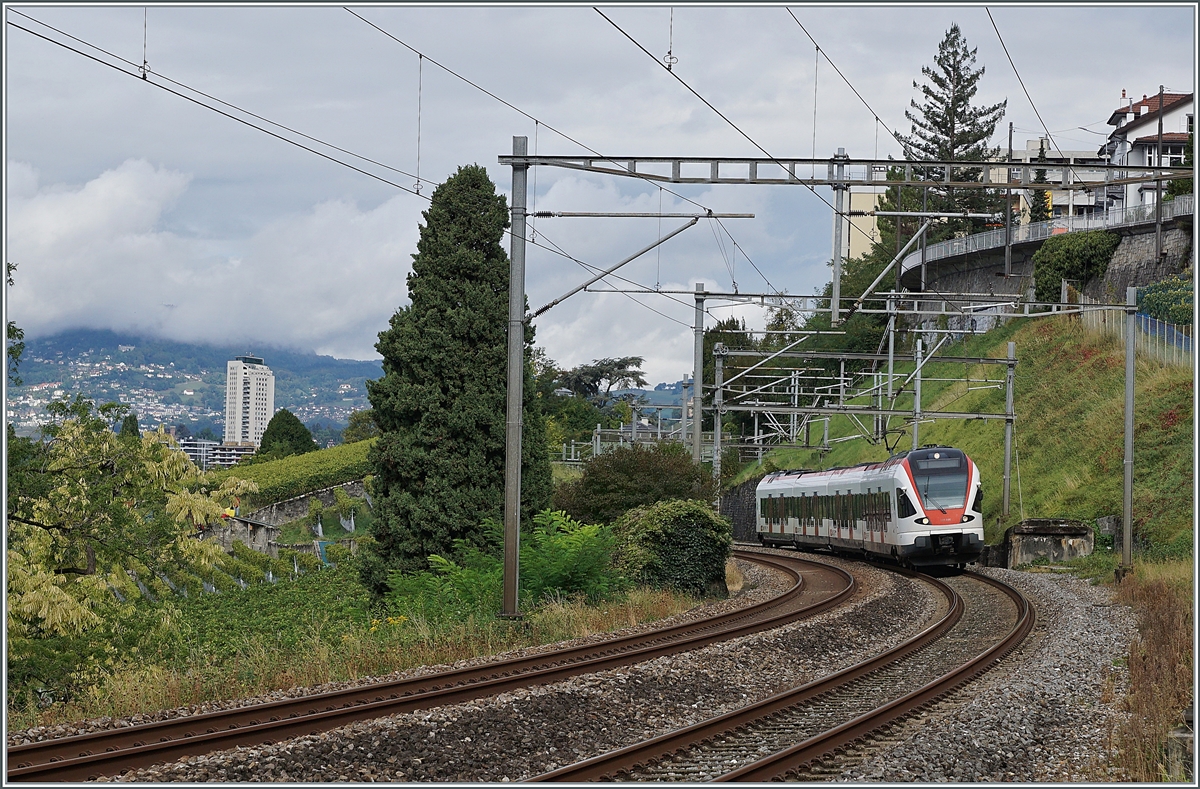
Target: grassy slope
x=1069 y=401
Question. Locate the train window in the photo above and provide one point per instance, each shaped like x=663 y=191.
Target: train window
x=977 y=505
x=904 y=505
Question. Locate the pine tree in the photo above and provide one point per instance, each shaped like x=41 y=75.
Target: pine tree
x=440 y=405
x=285 y=435
x=1039 y=203
x=946 y=126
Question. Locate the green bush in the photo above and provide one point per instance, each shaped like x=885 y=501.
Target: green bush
x=567 y=557
x=629 y=477
x=450 y=591
x=680 y=545
x=1075 y=256
x=559 y=556
x=1169 y=300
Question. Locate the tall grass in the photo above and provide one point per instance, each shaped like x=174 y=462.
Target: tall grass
x=330 y=652
x=1160 y=666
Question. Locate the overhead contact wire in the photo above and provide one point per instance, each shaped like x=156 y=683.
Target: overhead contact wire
x=201 y=93
x=559 y=132
x=720 y=114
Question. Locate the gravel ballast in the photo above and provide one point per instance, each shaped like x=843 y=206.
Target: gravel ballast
x=1038 y=716
x=1043 y=715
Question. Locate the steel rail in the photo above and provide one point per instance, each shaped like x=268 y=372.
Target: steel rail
x=116 y=750
x=839 y=737
x=606 y=766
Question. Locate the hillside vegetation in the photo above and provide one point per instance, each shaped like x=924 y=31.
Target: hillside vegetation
x=299 y=474
x=1068 y=433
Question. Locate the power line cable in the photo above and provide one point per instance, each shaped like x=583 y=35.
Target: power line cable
x=844 y=79
x=1026 y=91
x=219 y=111
x=589 y=267
x=557 y=131
x=202 y=93
x=420 y=86
x=720 y=114
x=117 y=68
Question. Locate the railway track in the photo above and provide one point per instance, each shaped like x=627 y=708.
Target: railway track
x=816 y=587
x=784 y=734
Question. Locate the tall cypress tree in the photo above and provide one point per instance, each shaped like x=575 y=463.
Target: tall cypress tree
x=129 y=426
x=947 y=126
x=440 y=406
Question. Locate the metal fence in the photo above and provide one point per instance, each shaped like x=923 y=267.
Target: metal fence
x=606 y=440
x=1183 y=205
x=1167 y=342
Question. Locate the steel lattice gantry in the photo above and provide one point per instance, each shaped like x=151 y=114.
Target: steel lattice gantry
x=855 y=172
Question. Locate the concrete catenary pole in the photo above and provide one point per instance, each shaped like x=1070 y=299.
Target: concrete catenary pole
x=1127 y=509
x=516 y=382
x=1008 y=426
x=698 y=374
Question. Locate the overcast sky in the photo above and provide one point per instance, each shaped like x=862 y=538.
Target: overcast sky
x=129 y=208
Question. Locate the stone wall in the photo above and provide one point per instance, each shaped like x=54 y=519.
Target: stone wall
x=258 y=537
x=292 y=509
x=1133 y=264
x=737 y=504
x=1053 y=539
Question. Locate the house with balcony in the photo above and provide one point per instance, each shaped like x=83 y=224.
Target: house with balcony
x=1134 y=141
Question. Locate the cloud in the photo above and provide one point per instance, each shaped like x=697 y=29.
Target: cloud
x=256 y=241
x=97 y=256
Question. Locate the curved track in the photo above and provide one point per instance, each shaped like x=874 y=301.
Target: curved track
x=816 y=587
x=780 y=735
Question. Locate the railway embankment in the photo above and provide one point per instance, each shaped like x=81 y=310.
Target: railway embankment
x=1067 y=437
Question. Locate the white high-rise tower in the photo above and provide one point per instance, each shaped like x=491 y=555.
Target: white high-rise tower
x=249 y=400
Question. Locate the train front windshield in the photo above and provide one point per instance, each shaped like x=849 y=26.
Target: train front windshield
x=941 y=480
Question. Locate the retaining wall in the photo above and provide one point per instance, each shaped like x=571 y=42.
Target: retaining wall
x=288 y=510
x=737 y=504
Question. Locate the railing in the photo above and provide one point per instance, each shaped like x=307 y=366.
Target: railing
x=1183 y=205
x=1166 y=342
x=607 y=439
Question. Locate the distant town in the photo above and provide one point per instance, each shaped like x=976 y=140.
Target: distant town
x=183 y=388
x=176 y=384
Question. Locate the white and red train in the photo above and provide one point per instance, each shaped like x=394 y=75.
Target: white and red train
x=923 y=507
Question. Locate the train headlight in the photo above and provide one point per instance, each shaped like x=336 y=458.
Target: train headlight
x=923 y=521
x=968 y=518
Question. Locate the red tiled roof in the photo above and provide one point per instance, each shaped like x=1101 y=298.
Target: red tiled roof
x=1171 y=137
x=1150 y=103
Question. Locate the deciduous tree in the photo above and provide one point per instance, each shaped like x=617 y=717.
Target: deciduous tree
x=285 y=435
x=86 y=505
x=440 y=405
x=15 y=336
x=362 y=426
